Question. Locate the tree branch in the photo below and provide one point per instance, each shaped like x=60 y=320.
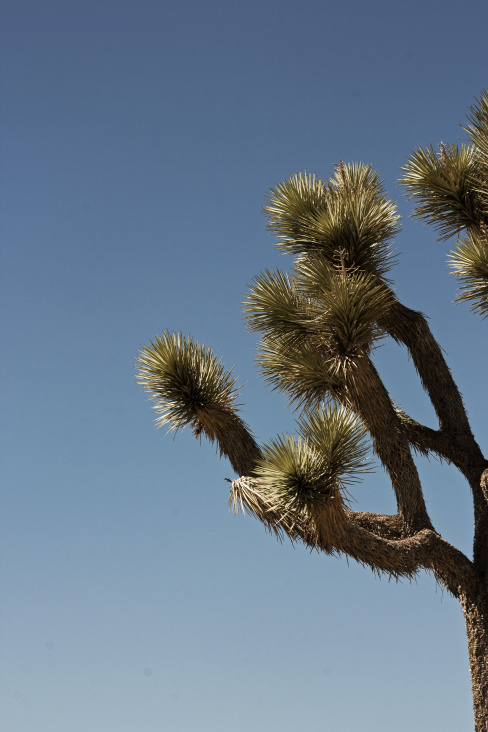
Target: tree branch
x=379 y=524
x=410 y=328
x=463 y=452
x=460 y=449
x=405 y=557
x=369 y=398
x=234 y=439
x=424 y=439
x=336 y=531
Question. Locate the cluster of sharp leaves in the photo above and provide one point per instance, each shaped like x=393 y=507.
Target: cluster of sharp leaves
x=318 y=322
x=451 y=192
x=321 y=319
x=301 y=474
x=185 y=379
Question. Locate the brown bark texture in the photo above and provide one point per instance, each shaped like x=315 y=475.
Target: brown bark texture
x=475 y=609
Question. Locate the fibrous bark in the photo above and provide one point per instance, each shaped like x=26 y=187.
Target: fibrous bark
x=474 y=603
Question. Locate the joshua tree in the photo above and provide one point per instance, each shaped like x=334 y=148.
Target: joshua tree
x=319 y=326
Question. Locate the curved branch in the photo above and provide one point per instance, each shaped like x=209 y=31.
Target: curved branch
x=461 y=450
x=335 y=531
x=405 y=557
x=379 y=524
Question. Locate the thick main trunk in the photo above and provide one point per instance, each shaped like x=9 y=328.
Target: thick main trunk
x=475 y=609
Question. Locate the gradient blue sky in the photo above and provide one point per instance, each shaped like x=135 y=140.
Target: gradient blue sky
x=138 y=142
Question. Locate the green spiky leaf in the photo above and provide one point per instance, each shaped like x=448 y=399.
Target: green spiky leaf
x=302 y=474
x=273 y=306
x=348 y=218
x=349 y=305
x=478 y=127
x=444 y=186
x=339 y=435
x=188 y=384
x=295 y=476
x=469 y=262
x=291 y=205
x=300 y=371
x=478 y=133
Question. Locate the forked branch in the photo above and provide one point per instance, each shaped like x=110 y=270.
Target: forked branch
x=410 y=328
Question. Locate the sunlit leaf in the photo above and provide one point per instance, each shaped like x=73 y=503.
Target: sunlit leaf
x=186 y=381
x=443 y=184
x=469 y=261
x=347 y=218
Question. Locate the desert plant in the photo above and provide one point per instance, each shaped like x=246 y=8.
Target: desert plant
x=319 y=325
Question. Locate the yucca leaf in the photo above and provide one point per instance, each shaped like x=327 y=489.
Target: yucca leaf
x=469 y=262
x=290 y=204
x=349 y=305
x=273 y=306
x=353 y=178
x=478 y=127
x=478 y=133
x=309 y=361
x=313 y=274
x=444 y=187
x=295 y=476
x=300 y=371
x=339 y=435
x=352 y=306
x=186 y=381
x=347 y=218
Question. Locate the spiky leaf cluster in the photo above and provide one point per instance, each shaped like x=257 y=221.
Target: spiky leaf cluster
x=316 y=324
x=347 y=218
x=303 y=474
x=348 y=304
x=469 y=261
x=451 y=191
x=340 y=436
x=477 y=130
x=444 y=186
x=275 y=307
x=188 y=384
x=300 y=370
x=478 y=127
x=291 y=206
x=295 y=476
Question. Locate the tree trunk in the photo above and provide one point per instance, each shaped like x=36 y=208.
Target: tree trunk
x=475 y=609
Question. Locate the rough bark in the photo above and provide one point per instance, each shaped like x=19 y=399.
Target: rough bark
x=369 y=398
x=475 y=608
x=235 y=441
x=462 y=451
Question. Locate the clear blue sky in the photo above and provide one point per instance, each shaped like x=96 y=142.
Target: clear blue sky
x=138 y=142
